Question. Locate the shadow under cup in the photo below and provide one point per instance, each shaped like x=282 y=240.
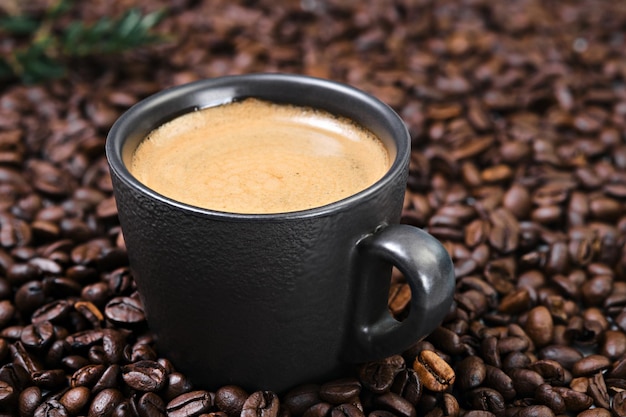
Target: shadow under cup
x=270 y=301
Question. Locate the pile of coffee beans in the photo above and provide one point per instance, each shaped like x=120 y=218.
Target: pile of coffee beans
x=517 y=110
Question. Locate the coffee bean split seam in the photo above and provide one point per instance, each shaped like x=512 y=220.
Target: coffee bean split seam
x=517 y=111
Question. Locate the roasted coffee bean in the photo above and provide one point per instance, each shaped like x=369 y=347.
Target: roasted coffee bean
x=7 y=392
x=105 y=402
x=147 y=376
x=536 y=411
x=113 y=343
x=87 y=376
x=595 y=412
x=486 y=399
x=574 y=401
x=551 y=371
x=619 y=403
x=38 y=336
x=396 y=404
x=470 y=373
x=178 y=383
x=381 y=413
x=340 y=391
x=150 y=405
x=408 y=385
x=261 y=404
x=29 y=297
x=191 y=403
x=346 y=410
x=84 y=339
x=590 y=365
x=378 y=376
x=525 y=381
x=125 y=311
x=434 y=373
x=546 y=395
x=297 y=400
x=51 y=408
x=75 y=399
x=109 y=379
x=539 y=326
x=320 y=409
x=567 y=356
x=49 y=378
x=7 y=312
x=598 y=391
x=497 y=379
x=30 y=398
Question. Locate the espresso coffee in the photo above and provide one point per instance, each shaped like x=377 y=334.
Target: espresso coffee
x=259 y=157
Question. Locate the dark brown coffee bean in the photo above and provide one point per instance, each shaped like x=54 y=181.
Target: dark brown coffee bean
x=595 y=412
x=547 y=396
x=551 y=371
x=51 y=408
x=490 y=353
x=8 y=393
x=497 y=379
x=525 y=381
x=408 y=385
x=87 y=376
x=125 y=311
x=109 y=379
x=178 y=383
x=321 y=409
x=535 y=411
x=434 y=373
x=340 y=391
x=619 y=404
x=113 y=343
x=479 y=413
x=150 y=405
x=396 y=404
x=84 y=339
x=297 y=400
x=7 y=312
x=470 y=373
x=598 y=391
x=486 y=399
x=75 y=399
x=147 y=376
x=38 y=336
x=29 y=297
x=49 y=378
x=105 y=402
x=378 y=376
x=567 y=356
x=261 y=404
x=29 y=399
x=574 y=401
x=381 y=413
x=346 y=410
x=590 y=365
x=188 y=404
x=447 y=340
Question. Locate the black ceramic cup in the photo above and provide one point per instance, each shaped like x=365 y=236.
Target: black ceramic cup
x=270 y=301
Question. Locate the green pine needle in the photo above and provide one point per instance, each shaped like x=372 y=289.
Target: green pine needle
x=49 y=49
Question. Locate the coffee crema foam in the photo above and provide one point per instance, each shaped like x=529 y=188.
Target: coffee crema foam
x=258 y=157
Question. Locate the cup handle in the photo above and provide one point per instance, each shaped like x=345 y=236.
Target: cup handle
x=429 y=271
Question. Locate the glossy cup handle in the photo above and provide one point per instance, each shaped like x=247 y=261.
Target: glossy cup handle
x=429 y=271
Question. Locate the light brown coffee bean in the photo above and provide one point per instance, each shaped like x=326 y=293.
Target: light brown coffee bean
x=434 y=373
x=539 y=326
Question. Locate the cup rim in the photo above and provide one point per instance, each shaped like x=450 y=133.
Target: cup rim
x=235 y=85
